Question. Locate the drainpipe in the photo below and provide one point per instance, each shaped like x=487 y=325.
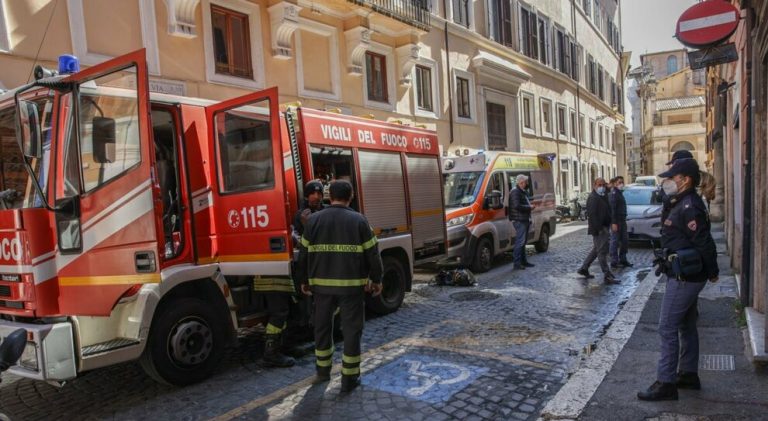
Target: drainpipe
x=578 y=103
x=450 y=79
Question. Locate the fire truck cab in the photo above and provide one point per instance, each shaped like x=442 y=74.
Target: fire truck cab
x=132 y=225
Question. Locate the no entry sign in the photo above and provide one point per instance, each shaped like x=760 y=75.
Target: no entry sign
x=707 y=23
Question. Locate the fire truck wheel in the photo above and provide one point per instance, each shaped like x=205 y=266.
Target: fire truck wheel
x=483 y=260
x=185 y=343
x=543 y=244
x=393 y=291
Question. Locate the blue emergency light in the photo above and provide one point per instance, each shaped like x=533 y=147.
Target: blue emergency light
x=68 y=64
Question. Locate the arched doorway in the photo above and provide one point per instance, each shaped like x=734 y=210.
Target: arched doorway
x=682 y=146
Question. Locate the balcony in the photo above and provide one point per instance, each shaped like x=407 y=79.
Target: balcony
x=411 y=12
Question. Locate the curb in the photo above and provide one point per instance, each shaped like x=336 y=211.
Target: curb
x=572 y=398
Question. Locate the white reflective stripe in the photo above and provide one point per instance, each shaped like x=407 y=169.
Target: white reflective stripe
x=706 y=22
x=42 y=257
x=15 y=269
x=119 y=202
x=204 y=190
x=120 y=218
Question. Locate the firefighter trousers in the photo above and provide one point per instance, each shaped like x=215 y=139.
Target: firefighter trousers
x=278 y=307
x=352 y=319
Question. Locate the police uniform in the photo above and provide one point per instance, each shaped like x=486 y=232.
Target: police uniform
x=685 y=230
x=338 y=254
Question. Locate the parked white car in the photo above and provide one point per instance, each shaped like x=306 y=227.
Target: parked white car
x=646 y=180
x=643 y=213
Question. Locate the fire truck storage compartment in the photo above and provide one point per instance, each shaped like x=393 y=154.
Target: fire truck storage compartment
x=384 y=202
x=331 y=163
x=427 y=215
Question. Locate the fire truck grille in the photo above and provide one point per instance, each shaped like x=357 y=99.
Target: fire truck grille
x=12 y=304
x=5 y=291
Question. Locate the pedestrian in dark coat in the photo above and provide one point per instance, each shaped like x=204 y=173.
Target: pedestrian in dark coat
x=520 y=208
x=599 y=221
x=619 y=234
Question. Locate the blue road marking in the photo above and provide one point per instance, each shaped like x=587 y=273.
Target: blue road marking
x=423 y=377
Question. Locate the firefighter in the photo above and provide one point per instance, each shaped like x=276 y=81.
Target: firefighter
x=338 y=262
x=313 y=202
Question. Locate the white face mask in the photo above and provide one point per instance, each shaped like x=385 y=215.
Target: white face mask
x=600 y=190
x=669 y=186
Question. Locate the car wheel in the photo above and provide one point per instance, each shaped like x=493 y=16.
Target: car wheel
x=543 y=244
x=185 y=343
x=483 y=260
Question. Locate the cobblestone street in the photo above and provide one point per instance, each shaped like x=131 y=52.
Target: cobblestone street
x=499 y=350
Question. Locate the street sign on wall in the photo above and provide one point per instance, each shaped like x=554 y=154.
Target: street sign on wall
x=707 y=23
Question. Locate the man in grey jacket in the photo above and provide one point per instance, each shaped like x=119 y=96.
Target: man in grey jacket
x=599 y=222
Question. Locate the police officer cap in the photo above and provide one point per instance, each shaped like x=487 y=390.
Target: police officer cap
x=682 y=154
x=686 y=166
x=313 y=186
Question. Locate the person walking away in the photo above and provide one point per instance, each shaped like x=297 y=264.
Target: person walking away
x=598 y=223
x=338 y=262
x=688 y=260
x=520 y=208
x=619 y=242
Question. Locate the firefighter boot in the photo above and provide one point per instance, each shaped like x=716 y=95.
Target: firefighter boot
x=272 y=355
x=322 y=375
x=349 y=383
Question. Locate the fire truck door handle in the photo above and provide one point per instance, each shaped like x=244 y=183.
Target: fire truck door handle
x=277 y=244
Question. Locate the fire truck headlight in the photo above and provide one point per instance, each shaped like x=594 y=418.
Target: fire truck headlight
x=461 y=220
x=28 y=359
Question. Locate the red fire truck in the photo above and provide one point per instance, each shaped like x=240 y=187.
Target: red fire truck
x=132 y=224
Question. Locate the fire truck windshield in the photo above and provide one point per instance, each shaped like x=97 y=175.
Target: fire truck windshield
x=16 y=186
x=460 y=188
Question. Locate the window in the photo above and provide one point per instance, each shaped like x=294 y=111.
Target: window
x=528 y=112
x=496 y=183
x=600 y=133
x=244 y=146
x=600 y=82
x=529 y=33
x=698 y=77
x=592 y=81
x=546 y=117
x=576 y=61
x=497 y=125
x=424 y=88
x=461 y=12
x=573 y=125
x=671 y=64
x=463 y=103
x=613 y=142
x=109 y=132
x=543 y=39
x=500 y=15
x=231 y=42
x=582 y=139
x=587 y=5
x=376 y=76
x=575 y=173
x=592 y=132
x=562 y=121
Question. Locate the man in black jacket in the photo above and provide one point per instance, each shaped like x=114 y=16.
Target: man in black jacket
x=619 y=234
x=520 y=214
x=599 y=220
x=338 y=262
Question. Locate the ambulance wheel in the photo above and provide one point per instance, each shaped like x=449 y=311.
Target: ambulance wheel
x=483 y=260
x=393 y=288
x=543 y=244
x=185 y=343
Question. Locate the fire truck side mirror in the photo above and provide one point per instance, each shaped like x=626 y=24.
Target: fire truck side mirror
x=104 y=134
x=28 y=129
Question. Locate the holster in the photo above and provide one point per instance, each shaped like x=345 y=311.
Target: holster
x=686 y=262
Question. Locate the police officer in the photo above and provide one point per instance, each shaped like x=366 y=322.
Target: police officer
x=313 y=202
x=338 y=262
x=665 y=205
x=685 y=232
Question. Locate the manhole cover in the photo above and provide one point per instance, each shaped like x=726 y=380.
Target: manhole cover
x=474 y=296
x=717 y=362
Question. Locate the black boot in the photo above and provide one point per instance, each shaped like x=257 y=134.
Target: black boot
x=688 y=381
x=272 y=355
x=659 y=392
x=322 y=375
x=349 y=383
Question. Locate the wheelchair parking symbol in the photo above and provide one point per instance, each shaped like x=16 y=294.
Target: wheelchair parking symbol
x=424 y=378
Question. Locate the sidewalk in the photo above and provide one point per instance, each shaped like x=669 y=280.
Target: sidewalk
x=732 y=386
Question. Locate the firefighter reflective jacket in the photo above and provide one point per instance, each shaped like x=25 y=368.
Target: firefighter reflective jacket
x=339 y=252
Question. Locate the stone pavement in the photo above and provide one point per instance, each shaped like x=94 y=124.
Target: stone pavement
x=500 y=350
x=733 y=388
